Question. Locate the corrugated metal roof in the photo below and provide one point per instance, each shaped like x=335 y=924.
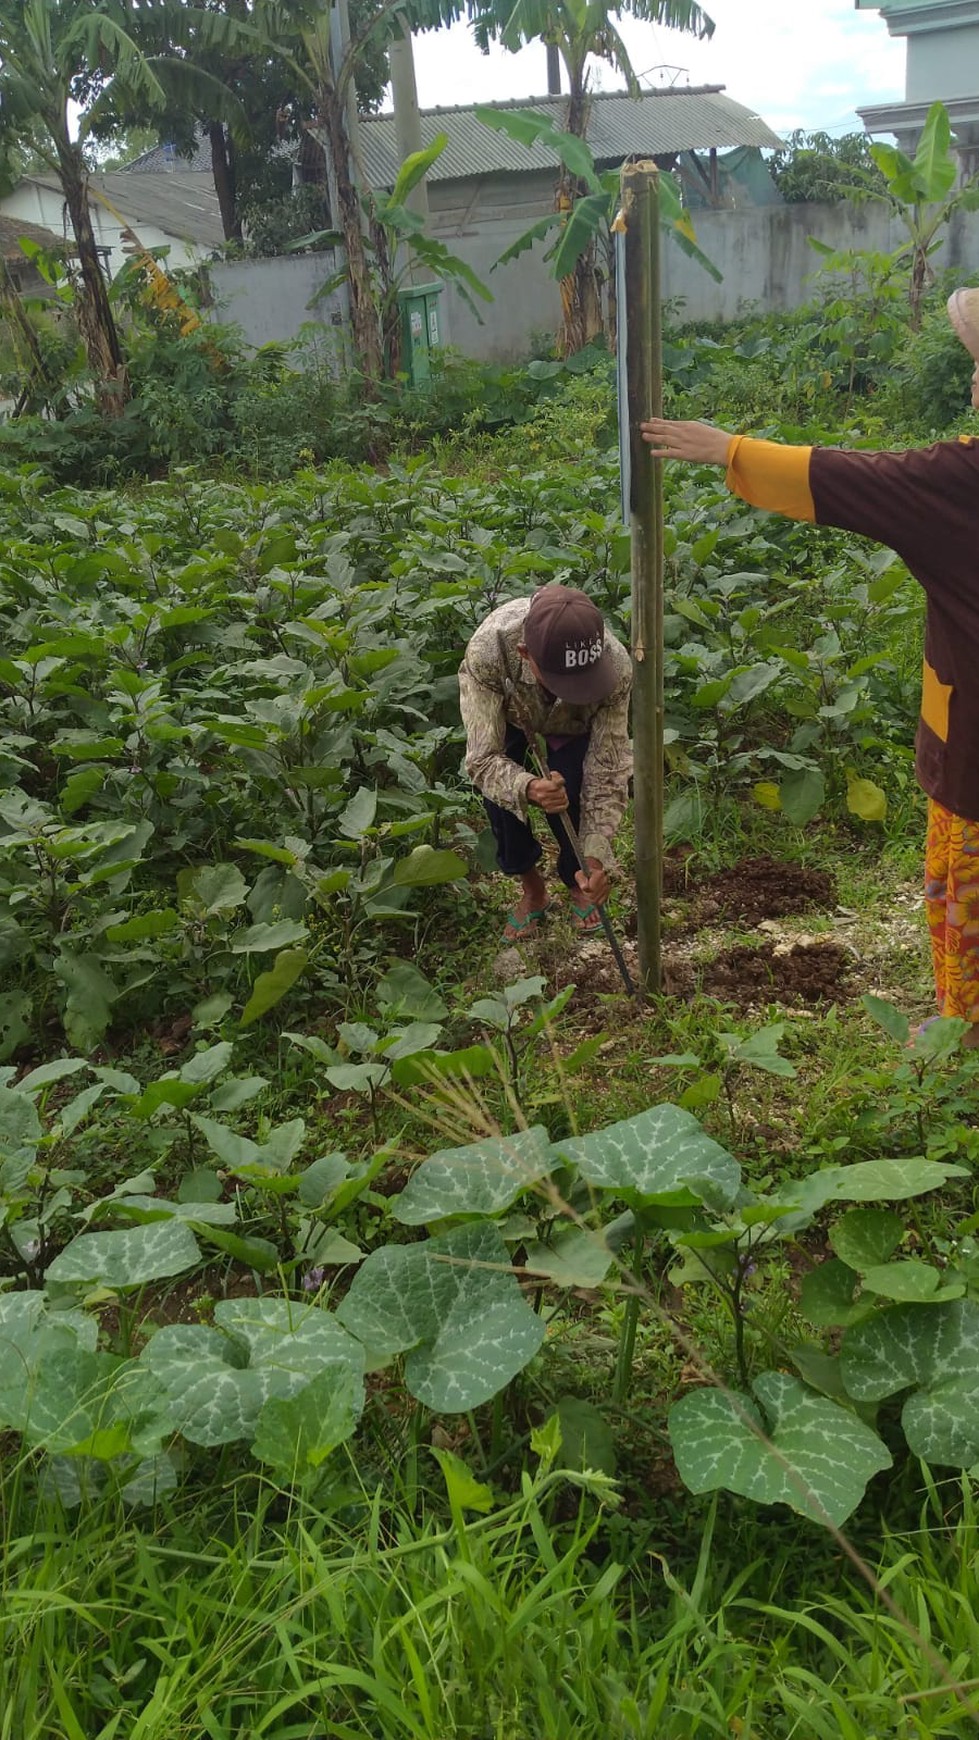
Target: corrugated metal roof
x=619 y=126
x=182 y=204
x=12 y=229
x=165 y=160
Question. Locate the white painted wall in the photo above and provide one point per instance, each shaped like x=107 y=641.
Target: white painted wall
x=763 y=253
x=42 y=205
x=943 y=64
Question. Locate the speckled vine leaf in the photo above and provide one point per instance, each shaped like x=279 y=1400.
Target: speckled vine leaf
x=295 y=1434
x=129 y=1257
x=784 y=1445
x=453 y=1307
x=933 y=1350
x=217 y=1381
x=481 y=1178
x=867 y=1181
x=658 y=1153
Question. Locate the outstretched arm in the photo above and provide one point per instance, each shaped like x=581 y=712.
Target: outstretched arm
x=699 y=443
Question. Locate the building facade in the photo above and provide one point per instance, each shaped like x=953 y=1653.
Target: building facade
x=942 y=66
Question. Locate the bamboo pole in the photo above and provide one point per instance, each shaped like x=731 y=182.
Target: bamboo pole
x=642 y=323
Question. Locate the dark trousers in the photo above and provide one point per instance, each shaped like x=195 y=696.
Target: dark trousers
x=517 y=849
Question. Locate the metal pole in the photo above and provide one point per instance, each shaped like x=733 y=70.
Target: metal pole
x=538 y=751
x=642 y=321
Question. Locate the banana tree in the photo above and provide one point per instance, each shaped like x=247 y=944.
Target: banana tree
x=580 y=30
x=397 y=242
x=922 y=191
x=53 y=54
x=579 y=233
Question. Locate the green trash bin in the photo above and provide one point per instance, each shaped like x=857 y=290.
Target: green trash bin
x=420 y=330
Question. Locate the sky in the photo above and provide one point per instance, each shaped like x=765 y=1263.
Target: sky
x=797 y=63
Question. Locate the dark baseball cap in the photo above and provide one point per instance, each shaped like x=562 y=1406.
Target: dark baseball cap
x=564 y=633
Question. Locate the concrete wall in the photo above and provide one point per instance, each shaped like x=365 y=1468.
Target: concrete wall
x=943 y=64
x=763 y=254
x=271 y=300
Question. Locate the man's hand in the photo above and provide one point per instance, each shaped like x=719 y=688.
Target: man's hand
x=700 y=443
x=549 y=794
x=596 y=884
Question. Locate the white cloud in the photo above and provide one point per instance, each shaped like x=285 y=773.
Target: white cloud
x=798 y=65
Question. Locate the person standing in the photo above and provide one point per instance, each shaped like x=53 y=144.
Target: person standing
x=547 y=666
x=924 y=504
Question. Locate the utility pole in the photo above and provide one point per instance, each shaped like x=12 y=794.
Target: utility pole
x=408 y=128
x=641 y=383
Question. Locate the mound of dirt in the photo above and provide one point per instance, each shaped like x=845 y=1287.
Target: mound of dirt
x=807 y=973
x=757 y=888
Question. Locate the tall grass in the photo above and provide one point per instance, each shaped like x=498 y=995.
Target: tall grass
x=257 y=1614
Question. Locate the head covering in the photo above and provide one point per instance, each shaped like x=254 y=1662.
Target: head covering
x=963 y=312
x=565 y=636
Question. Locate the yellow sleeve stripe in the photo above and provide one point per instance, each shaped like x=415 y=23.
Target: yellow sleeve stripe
x=769 y=475
x=935 y=699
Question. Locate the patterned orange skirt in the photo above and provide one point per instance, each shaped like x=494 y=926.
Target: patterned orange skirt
x=952 y=906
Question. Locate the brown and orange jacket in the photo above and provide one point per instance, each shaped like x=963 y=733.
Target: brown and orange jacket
x=924 y=505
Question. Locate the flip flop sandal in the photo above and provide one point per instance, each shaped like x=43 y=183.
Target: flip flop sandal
x=581 y=915
x=518 y=925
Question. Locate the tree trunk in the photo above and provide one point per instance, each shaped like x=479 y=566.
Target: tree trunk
x=364 y=320
x=22 y=332
x=98 y=329
x=581 y=291
x=223 y=170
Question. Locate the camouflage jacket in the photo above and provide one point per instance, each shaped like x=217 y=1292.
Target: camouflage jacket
x=498 y=688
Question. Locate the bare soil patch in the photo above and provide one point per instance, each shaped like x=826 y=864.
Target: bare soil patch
x=757 y=888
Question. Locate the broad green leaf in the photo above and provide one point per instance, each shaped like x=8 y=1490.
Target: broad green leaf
x=909 y=1280
x=463 y=1490
x=481 y=1178
x=146 y=1209
x=935 y=167
x=866 y=1236
x=828 y=1295
x=148 y=924
x=428 y=1066
x=416 y=167
x=128 y=1258
x=767 y=795
x=322 y=1178
x=205 y=1066
x=586 y=1437
x=213 y=888
x=425 y=867
x=576 y=1256
x=260 y=938
x=405 y=993
x=886 y=1016
x=237 y=1091
x=46 y=1073
x=802 y=793
x=933 y=1350
x=90 y=996
x=867 y=1181
x=782 y=1445
x=452 y=1306
x=529 y=127
x=866 y=800
x=271 y=987
x=275 y=1154
x=85 y=1403
x=656 y=1153
x=297 y=1433
x=217 y=1381
x=358 y=815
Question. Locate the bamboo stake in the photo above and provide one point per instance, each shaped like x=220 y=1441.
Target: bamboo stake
x=642 y=324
